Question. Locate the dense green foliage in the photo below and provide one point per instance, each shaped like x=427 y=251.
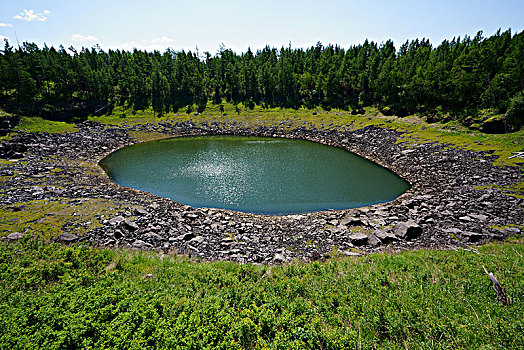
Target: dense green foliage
x=53 y=296
x=459 y=77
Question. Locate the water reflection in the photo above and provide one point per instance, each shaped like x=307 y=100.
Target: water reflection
x=260 y=175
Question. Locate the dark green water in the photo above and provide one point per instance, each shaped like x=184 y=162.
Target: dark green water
x=252 y=174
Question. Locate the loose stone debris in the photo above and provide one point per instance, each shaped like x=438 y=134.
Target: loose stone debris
x=446 y=207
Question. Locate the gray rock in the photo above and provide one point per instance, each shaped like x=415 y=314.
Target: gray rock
x=13 y=236
x=472 y=236
x=352 y=221
x=479 y=217
x=130 y=225
x=153 y=236
x=186 y=236
x=407 y=230
x=67 y=237
x=138 y=243
x=117 y=220
x=350 y=253
x=198 y=239
x=385 y=236
x=278 y=258
x=37 y=190
x=227 y=241
x=358 y=238
x=140 y=211
x=373 y=240
x=453 y=231
x=512 y=229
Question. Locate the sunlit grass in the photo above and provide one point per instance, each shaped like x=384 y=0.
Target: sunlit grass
x=75 y=297
x=38 y=125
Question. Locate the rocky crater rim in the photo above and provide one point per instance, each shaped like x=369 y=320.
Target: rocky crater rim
x=100 y=161
x=458 y=197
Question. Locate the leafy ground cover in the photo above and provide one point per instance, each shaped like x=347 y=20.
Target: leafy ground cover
x=53 y=296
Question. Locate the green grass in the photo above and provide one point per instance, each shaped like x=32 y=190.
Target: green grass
x=4 y=114
x=39 y=125
x=47 y=218
x=52 y=296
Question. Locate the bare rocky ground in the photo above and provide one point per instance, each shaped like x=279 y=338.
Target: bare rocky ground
x=444 y=209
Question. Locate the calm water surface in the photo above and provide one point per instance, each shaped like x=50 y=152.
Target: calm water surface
x=257 y=175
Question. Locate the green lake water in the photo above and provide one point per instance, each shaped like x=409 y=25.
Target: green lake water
x=253 y=174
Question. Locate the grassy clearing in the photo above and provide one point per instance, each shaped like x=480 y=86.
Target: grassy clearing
x=502 y=145
x=73 y=297
x=48 y=218
x=38 y=125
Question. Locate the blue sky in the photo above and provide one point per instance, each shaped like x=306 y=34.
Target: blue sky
x=158 y=24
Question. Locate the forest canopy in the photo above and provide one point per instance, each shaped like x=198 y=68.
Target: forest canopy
x=461 y=78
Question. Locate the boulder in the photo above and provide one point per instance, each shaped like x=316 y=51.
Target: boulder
x=117 y=220
x=198 y=239
x=278 y=258
x=471 y=236
x=514 y=230
x=138 y=243
x=493 y=126
x=130 y=225
x=385 y=236
x=373 y=240
x=13 y=236
x=479 y=217
x=352 y=221
x=140 y=211
x=453 y=231
x=186 y=236
x=350 y=253
x=67 y=237
x=407 y=230
x=358 y=238
x=465 y=218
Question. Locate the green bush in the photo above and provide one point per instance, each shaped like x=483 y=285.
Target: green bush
x=515 y=112
x=58 y=297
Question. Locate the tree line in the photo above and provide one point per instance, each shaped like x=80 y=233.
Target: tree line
x=460 y=77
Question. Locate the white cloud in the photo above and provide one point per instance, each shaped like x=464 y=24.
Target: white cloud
x=5 y=25
x=159 y=44
x=163 y=40
x=79 y=38
x=30 y=15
